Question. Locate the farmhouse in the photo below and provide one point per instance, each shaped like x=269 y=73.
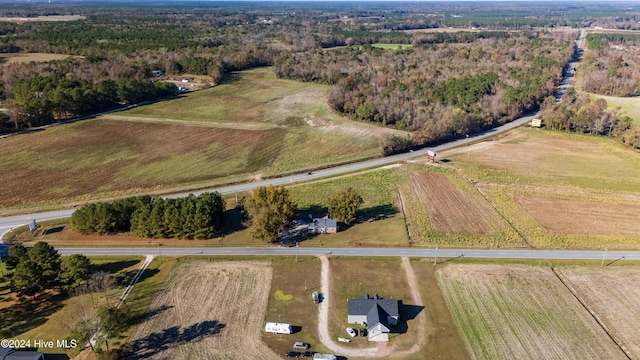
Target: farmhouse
x=324 y=225
x=375 y=313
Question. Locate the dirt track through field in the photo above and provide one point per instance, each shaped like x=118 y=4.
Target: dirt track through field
x=521 y=312
x=207 y=311
x=382 y=349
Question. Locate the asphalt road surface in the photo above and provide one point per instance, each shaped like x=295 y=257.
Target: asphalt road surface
x=442 y=254
x=8 y=223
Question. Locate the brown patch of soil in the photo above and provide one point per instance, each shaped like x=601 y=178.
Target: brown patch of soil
x=450 y=210
x=613 y=295
x=521 y=312
x=207 y=311
x=568 y=216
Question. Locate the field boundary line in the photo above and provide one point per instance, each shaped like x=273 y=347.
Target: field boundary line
x=524 y=238
x=591 y=312
x=404 y=217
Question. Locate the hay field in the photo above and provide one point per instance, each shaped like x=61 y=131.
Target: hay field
x=29 y=57
x=570 y=216
x=613 y=295
x=249 y=128
x=43 y=18
x=629 y=106
x=207 y=311
x=558 y=190
x=521 y=312
x=442 y=208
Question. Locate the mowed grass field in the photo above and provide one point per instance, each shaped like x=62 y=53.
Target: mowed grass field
x=558 y=190
x=176 y=144
x=521 y=312
x=6 y=59
x=629 y=106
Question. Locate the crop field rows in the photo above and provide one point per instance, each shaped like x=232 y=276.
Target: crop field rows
x=207 y=311
x=521 y=312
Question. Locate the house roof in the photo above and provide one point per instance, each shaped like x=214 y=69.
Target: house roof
x=11 y=354
x=375 y=308
x=325 y=222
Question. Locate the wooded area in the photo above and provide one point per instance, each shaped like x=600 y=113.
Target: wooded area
x=448 y=84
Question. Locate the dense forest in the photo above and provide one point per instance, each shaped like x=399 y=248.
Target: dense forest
x=440 y=85
x=439 y=90
x=612 y=64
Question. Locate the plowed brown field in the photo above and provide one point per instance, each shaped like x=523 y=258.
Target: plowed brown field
x=613 y=294
x=521 y=312
x=449 y=209
x=207 y=311
x=568 y=216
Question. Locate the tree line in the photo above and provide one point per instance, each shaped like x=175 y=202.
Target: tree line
x=43 y=100
x=40 y=268
x=579 y=113
x=438 y=91
x=191 y=217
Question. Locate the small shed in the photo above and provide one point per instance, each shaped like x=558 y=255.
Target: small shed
x=277 y=328
x=536 y=123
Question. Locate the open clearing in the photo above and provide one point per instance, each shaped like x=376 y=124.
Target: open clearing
x=565 y=216
x=261 y=127
x=557 y=189
x=29 y=57
x=521 y=312
x=628 y=105
x=207 y=311
x=43 y=18
x=613 y=295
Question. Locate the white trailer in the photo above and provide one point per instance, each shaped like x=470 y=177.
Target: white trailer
x=277 y=328
x=324 y=357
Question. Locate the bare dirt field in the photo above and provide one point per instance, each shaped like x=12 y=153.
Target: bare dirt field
x=450 y=210
x=571 y=216
x=613 y=295
x=207 y=311
x=521 y=312
x=29 y=57
x=43 y=18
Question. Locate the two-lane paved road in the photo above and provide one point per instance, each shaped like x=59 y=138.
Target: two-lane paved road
x=442 y=254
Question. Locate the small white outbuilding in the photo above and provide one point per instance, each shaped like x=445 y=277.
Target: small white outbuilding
x=277 y=328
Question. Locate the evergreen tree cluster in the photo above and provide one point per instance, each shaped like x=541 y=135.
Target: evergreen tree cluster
x=40 y=268
x=43 y=99
x=191 y=217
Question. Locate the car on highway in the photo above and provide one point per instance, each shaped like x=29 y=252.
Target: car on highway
x=352 y=332
x=292 y=354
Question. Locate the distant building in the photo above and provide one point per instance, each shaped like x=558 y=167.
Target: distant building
x=324 y=225
x=376 y=313
x=12 y=354
x=536 y=123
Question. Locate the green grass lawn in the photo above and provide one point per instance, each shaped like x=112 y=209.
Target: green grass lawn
x=392 y=46
x=629 y=106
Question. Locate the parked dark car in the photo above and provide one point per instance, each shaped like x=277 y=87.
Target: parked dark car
x=308 y=354
x=292 y=354
x=363 y=332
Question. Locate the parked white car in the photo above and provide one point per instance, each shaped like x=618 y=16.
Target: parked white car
x=352 y=332
x=344 y=340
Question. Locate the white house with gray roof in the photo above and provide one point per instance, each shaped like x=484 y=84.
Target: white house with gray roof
x=376 y=313
x=323 y=225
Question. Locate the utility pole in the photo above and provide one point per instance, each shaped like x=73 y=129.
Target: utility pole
x=297 y=244
x=603 y=255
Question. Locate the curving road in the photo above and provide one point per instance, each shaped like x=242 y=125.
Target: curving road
x=10 y=222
